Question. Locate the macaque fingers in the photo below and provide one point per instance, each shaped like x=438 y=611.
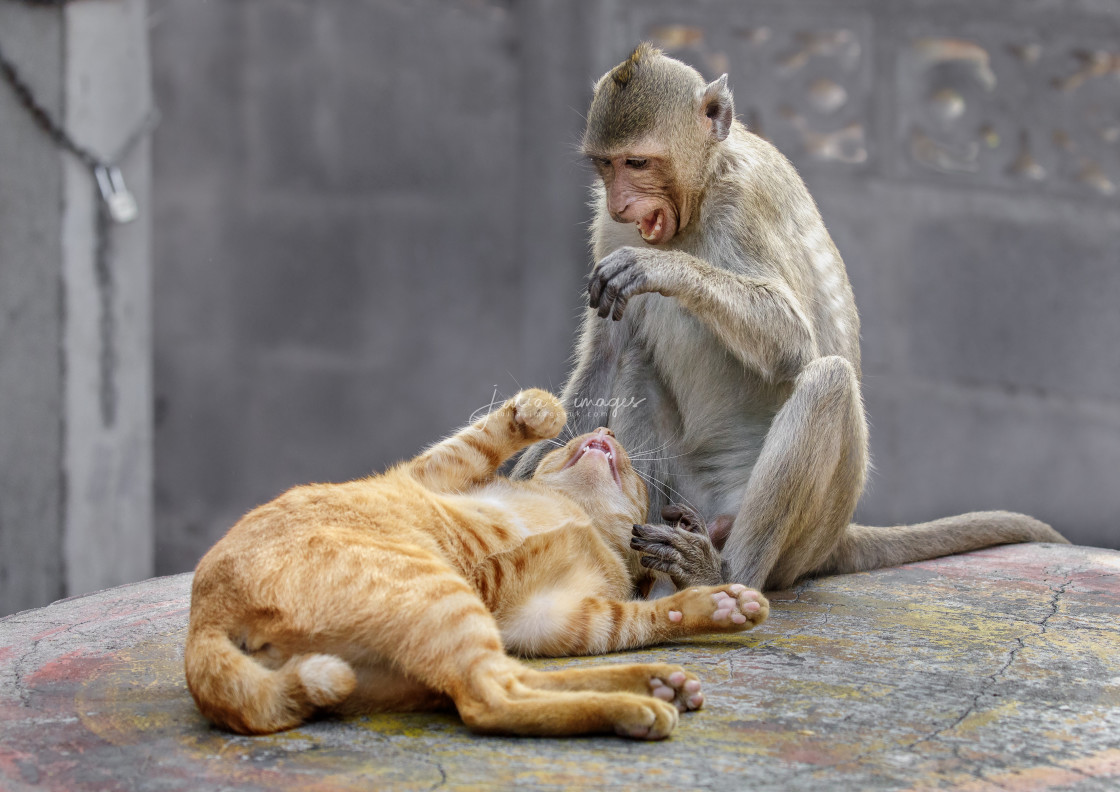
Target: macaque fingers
x=616 y=279
x=689 y=558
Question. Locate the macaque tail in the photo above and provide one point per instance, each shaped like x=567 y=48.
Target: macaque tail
x=240 y=694
x=864 y=547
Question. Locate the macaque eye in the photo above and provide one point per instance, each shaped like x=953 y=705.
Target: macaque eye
x=601 y=162
x=637 y=162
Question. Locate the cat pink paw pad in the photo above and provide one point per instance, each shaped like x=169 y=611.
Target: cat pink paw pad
x=678 y=689
x=737 y=605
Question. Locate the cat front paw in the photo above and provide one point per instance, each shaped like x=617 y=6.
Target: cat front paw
x=732 y=608
x=538 y=413
x=739 y=605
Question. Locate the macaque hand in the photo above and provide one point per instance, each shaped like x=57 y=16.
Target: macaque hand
x=626 y=272
x=683 y=550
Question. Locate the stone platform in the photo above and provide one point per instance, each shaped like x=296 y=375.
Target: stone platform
x=997 y=670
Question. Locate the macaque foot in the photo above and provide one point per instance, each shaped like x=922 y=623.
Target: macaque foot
x=731 y=608
x=539 y=413
x=682 y=550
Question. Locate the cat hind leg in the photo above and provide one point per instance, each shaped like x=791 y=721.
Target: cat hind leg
x=453 y=647
x=669 y=683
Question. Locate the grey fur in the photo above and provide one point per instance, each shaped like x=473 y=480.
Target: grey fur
x=731 y=354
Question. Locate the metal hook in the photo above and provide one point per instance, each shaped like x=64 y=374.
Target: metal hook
x=120 y=202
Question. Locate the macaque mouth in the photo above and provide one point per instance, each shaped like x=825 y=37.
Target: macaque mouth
x=652 y=226
x=597 y=446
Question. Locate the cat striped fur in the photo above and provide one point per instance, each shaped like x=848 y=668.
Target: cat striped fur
x=411 y=589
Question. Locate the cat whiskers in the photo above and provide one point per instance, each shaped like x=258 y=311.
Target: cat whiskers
x=645 y=452
x=671 y=495
x=651 y=456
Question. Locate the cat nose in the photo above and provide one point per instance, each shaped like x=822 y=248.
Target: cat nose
x=603 y=429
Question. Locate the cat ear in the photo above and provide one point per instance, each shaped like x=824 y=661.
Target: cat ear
x=717 y=107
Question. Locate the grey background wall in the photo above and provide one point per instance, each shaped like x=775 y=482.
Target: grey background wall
x=366 y=219
x=370 y=215
x=75 y=319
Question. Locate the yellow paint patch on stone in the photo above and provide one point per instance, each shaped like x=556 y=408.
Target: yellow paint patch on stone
x=979 y=720
x=823 y=690
x=1081 y=642
x=1101 y=765
x=406 y=724
x=112 y=706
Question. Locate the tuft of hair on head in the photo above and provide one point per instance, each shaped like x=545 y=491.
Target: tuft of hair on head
x=624 y=72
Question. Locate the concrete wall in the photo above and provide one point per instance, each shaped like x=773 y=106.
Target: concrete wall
x=371 y=215
x=75 y=330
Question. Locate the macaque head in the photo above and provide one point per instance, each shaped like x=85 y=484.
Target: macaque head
x=595 y=471
x=651 y=130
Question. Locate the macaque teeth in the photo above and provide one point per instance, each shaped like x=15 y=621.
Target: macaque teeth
x=654 y=232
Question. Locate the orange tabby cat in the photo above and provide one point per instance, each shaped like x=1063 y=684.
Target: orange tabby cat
x=398 y=592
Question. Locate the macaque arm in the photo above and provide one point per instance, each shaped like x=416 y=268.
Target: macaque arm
x=472 y=455
x=759 y=320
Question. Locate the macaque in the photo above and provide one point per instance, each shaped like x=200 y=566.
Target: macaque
x=723 y=336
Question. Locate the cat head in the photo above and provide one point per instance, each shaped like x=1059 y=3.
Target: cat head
x=594 y=470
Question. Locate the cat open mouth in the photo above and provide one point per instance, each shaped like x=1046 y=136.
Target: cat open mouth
x=601 y=446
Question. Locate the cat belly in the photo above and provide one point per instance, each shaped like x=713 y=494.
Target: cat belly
x=500 y=510
x=521 y=511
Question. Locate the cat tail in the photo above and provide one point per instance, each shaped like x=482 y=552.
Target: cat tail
x=863 y=547
x=240 y=694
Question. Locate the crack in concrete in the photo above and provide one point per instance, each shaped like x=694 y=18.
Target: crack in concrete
x=767 y=642
x=442 y=777
x=24 y=660
x=991 y=680
x=1054 y=602
x=827 y=613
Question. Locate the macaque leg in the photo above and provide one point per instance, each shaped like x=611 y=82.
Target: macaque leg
x=805 y=485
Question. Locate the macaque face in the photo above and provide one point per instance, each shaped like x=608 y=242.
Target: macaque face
x=641 y=190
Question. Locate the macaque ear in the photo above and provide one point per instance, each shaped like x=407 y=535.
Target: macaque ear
x=718 y=108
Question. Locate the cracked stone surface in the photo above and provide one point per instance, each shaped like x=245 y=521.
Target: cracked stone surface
x=997 y=670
